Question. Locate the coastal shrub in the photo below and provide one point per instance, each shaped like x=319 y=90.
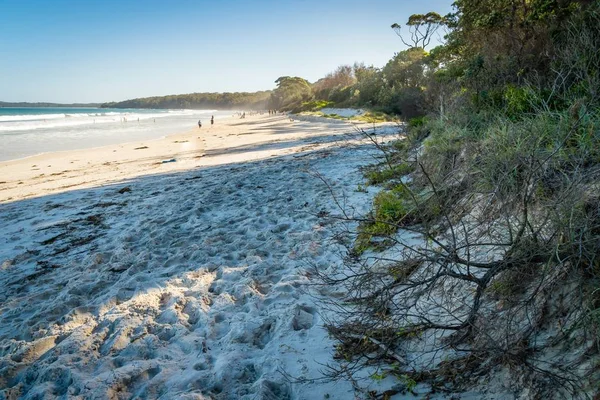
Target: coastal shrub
x=389 y=209
x=334 y=116
x=519 y=101
x=290 y=93
x=374 y=117
x=383 y=174
x=340 y=95
x=419 y=128
x=401 y=146
x=408 y=103
x=489 y=234
x=504 y=198
x=417 y=122
x=315 y=105
x=443 y=149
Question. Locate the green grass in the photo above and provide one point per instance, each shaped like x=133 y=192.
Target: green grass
x=381 y=174
x=374 y=117
x=391 y=209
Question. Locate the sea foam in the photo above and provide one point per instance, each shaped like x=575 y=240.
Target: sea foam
x=25 y=134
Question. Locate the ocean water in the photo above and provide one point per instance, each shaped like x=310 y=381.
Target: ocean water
x=29 y=131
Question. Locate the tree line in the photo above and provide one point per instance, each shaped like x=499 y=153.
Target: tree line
x=237 y=100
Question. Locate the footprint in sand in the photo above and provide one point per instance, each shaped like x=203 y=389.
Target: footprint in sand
x=304 y=318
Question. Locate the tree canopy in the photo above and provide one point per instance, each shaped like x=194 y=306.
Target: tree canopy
x=291 y=91
x=256 y=100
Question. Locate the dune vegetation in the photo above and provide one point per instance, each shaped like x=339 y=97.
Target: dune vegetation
x=478 y=265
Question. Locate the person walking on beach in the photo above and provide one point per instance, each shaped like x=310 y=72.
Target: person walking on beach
x=199 y=124
x=212 y=120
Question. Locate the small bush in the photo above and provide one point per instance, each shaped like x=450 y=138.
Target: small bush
x=443 y=149
x=401 y=146
x=417 y=122
x=381 y=175
x=519 y=101
x=390 y=209
x=315 y=105
x=333 y=116
x=374 y=117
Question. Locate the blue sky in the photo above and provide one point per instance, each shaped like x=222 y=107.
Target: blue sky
x=95 y=51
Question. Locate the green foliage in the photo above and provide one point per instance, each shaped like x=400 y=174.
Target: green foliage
x=397 y=88
x=422 y=28
x=401 y=271
x=383 y=174
x=410 y=383
x=417 y=122
x=407 y=102
x=374 y=117
x=361 y=189
x=443 y=146
x=341 y=95
x=417 y=132
x=255 y=100
x=499 y=43
x=390 y=208
x=334 y=116
x=315 y=105
x=519 y=101
x=290 y=93
x=406 y=69
x=502 y=289
x=401 y=146
x=330 y=87
x=506 y=164
x=378 y=377
x=369 y=85
x=510 y=147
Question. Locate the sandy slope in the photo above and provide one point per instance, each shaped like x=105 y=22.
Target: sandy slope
x=190 y=283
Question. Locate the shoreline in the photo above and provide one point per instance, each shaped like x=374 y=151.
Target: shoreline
x=56 y=130
x=57 y=152
x=229 y=140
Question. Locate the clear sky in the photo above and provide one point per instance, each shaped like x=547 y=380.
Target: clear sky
x=105 y=50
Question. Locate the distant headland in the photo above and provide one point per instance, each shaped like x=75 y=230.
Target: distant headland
x=220 y=101
x=34 y=105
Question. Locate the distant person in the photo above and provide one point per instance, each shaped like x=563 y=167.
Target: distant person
x=199 y=124
x=212 y=120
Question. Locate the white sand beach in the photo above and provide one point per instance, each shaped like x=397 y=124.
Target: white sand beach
x=229 y=141
x=125 y=277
